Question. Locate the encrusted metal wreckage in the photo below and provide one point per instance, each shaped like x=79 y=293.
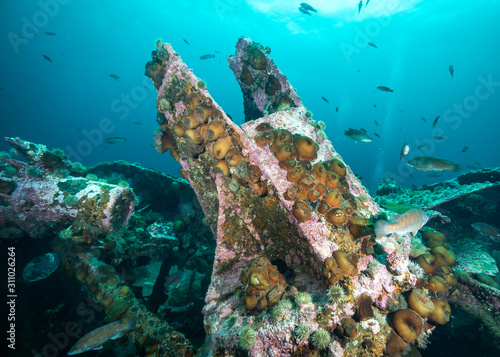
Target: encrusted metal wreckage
x=297 y=270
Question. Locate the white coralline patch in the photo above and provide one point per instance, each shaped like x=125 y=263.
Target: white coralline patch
x=372 y=325
x=90 y=191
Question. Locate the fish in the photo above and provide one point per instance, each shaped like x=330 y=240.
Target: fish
x=115 y=140
x=96 y=338
x=375 y=106
x=434 y=123
x=372 y=44
x=137 y=123
x=488 y=231
x=359 y=6
x=384 y=89
x=337 y=109
x=425 y=121
x=208 y=347
x=410 y=221
x=378 y=136
x=114 y=76
x=207 y=56
x=174 y=279
x=358 y=135
x=405 y=149
x=47 y=58
x=427 y=163
x=465 y=149
x=376 y=123
x=421 y=146
x=438 y=137
x=50 y=33
x=304 y=11
x=186 y=41
x=308 y=7
x=450 y=68
x=326 y=100
x=477 y=163
x=40 y=267
x=217 y=52
x=367 y=1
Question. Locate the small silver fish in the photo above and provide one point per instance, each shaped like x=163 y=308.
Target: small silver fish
x=208 y=347
x=40 y=267
x=404 y=150
x=358 y=135
x=410 y=221
x=384 y=89
x=304 y=11
x=174 y=280
x=114 y=76
x=205 y=57
x=450 y=68
x=427 y=163
x=307 y=7
x=96 y=338
x=372 y=44
x=115 y=140
x=488 y=231
x=434 y=123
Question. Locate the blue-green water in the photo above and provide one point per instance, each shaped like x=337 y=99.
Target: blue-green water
x=63 y=103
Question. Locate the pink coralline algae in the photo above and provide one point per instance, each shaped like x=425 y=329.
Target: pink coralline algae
x=44 y=199
x=263 y=188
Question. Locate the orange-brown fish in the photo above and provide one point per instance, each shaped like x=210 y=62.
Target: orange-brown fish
x=486 y=230
x=410 y=221
x=96 y=338
x=427 y=163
